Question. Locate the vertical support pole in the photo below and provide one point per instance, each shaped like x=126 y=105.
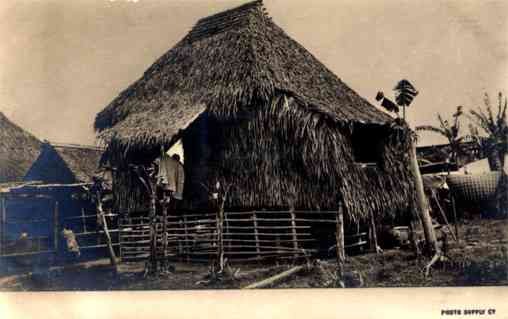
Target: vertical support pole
x=179 y=242
x=3 y=215
x=226 y=229
x=373 y=234
x=413 y=238
x=186 y=237
x=256 y=233
x=220 y=237
x=120 y=238
x=293 y=231
x=341 y=254
x=164 y=234
x=55 y=227
x=153 y=229
x=455 y=221
x=83 y=219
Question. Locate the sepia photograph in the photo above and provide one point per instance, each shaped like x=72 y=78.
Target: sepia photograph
x=169 y=145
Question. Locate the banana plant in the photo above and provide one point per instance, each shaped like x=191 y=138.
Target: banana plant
x=494 y=140
x=451 y=131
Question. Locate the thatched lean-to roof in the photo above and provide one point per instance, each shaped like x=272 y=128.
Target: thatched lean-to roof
x=256 y=110
x=65 y=164
x=18 y=150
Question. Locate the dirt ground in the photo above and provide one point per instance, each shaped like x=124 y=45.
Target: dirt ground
x=479 y=258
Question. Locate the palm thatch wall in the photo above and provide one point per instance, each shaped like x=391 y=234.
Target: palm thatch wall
x=256 y=110
x=18 y=150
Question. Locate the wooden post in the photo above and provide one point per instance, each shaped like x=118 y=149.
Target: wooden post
x=226 y=229
x=456 y=222
x=153 y=229
x=412 y=237
x=256 y=233
x=83 y=219
x=423 y=207
x=443 y=214
x=104 y=223
x=186 y=245
x=220 y=236
x=373 y=234
x=341 y=254
x=2 y=224
x=164 y=234
x=55 y=227
x=293 y=231
x=179 y=242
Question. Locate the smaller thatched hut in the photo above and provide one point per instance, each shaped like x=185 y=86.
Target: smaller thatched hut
x=18 y=150
x=65 y=164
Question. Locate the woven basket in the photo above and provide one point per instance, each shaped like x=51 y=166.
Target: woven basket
x=474 y=188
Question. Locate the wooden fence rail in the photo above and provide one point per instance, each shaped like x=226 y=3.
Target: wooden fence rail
x=243 y=235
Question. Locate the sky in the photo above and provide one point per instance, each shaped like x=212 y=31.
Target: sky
x=62 y=61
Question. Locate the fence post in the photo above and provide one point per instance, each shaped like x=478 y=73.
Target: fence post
x=341 y=255
x=373 y=233
x=293 y=231
x=456 y=222
x=165 y=234
x=2 y=224
x=55 y=226
x=153 y=228
x=220 y=237
x=227 y=230
x=83 y=219
x=256 y=233
x=187 y=243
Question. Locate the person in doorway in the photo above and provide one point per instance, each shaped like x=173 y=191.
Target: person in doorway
x=171 y=177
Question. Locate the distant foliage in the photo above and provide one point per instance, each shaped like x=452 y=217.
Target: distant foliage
x=451 y=131
x=494 y=140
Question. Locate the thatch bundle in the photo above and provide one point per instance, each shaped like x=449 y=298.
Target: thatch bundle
x=256 y=110
x=18 y=150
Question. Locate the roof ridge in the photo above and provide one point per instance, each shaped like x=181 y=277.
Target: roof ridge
x=237 y=17
x=73 y=145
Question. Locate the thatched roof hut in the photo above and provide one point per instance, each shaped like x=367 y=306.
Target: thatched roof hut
x=18 y=150
x=256 y=110
x=65 y=164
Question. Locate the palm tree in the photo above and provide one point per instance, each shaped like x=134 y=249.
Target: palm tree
x=450 y=132
x=495 y=143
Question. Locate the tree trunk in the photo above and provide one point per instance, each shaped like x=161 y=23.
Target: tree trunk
x=494 y=157
x=422 y=205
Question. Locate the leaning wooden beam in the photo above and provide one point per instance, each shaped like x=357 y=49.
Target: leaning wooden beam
x=276 y=279
x=102 y=217
x=341 y=254
x=423 y=207
x=443 y=214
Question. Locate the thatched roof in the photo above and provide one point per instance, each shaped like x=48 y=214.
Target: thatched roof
x=65 y=163
x=18 y=150
x=227 y=63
